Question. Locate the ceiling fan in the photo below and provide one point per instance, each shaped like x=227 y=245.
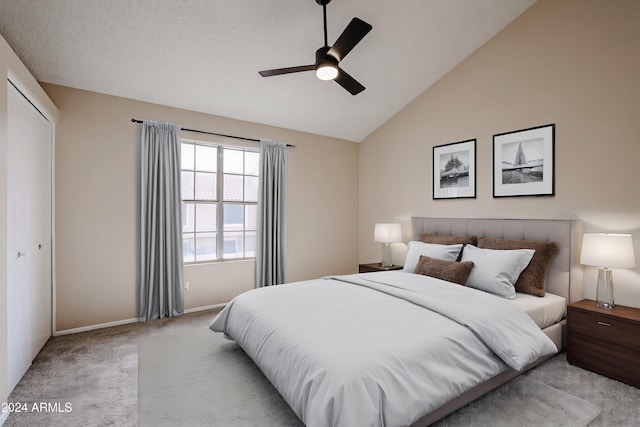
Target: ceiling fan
x=328 y=57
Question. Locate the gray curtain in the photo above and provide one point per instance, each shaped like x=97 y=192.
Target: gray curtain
x=161 y=281
x=270 y=245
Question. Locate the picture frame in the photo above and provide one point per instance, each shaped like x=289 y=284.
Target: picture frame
x=454 y=170
x=524 y=162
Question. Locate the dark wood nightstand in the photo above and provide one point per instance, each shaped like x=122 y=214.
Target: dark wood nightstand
x=605 y=341
x=376 y=266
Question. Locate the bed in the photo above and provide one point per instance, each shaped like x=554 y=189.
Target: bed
x=397 y=348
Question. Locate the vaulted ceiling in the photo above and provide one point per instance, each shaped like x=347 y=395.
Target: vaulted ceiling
x=204 y=55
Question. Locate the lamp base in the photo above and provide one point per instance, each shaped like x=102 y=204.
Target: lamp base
x=386 y=255
x=604 y=291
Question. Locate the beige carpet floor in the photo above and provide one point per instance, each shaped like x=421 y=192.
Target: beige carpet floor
x=95 y=375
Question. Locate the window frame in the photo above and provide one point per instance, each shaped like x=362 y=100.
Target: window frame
x=219 y=201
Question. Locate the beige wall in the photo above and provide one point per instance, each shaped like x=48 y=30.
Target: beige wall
x=97 y=214
x=575 y=63
x=11 y=67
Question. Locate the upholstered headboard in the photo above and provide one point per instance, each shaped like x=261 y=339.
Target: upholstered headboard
x=564 y=276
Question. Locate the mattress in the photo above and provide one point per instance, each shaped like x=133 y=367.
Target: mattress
x=545 y=311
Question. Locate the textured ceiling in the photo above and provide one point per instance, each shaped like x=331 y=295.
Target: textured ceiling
x=204 y=55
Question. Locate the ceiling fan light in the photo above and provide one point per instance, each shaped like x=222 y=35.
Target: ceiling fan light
x=326 y=71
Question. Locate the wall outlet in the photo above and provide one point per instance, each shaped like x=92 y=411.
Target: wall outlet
x=186 y=285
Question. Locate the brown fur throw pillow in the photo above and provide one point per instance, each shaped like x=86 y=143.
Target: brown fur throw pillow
x=452 y=271
x=532 y=278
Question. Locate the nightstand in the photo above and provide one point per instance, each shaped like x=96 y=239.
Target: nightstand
x=376 y=266
x=605 y=341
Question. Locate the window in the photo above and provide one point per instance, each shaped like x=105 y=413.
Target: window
x=219 y=202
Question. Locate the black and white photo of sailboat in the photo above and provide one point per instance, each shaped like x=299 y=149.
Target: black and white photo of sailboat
x=527 y=163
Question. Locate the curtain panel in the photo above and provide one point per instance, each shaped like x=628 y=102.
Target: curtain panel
x=161 y=275
x=271 y=235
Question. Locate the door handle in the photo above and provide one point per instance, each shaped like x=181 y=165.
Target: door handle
x=21 y=255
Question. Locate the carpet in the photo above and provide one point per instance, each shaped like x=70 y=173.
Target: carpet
x=199 y=378
x=202 y=379
x=524 y=402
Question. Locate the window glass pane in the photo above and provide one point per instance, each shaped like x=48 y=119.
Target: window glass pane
x=206 y=158
x=186 y=156
x=205 y=246
x=188 y=247
x=199 y=174
x=186 y=184
x=250 y=188
x=206 y=217
x=250 y=217
x=233 y=161
x=250 y=244
x=233 y=187
x=251 y=163
x=205 y=186
x=188 y=219
x=233 y=217
x=233 y=244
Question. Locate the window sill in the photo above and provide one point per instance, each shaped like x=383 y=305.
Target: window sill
x=217 y=262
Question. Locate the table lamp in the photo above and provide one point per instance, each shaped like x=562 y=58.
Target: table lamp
x=386 y=234
x=607 y=251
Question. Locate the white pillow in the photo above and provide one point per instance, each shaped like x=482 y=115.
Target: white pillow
x=444 y=252
x=496 y=271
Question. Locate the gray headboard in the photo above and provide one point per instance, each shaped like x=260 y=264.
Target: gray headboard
x=564 y=277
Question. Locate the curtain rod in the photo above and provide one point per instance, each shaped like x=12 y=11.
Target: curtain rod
x=214 y=133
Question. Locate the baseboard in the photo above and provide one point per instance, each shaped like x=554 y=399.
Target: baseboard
x=92 y=327
x=3 y=417
x=127 y=321
x=208 y=307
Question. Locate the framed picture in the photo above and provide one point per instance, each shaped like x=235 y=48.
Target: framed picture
x=523 y=162
x=454 y=170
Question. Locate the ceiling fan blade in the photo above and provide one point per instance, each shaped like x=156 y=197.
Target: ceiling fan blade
x=350 y=37
x=288 y=70
x=348 y=82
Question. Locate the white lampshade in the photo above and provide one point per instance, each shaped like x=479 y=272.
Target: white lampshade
x=387 y=233
x=608 y=250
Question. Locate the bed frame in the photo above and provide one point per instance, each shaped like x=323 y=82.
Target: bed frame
x=564 y=278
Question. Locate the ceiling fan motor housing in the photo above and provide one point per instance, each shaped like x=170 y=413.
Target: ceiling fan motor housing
x=323 y=57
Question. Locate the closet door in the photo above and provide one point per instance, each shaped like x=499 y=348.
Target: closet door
x=28 y=234
x=40 y=245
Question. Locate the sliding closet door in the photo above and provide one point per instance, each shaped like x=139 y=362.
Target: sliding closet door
x=18 y=236
x=28 y=234
x=41 y=239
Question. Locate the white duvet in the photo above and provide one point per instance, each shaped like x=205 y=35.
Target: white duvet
x=378 y=349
